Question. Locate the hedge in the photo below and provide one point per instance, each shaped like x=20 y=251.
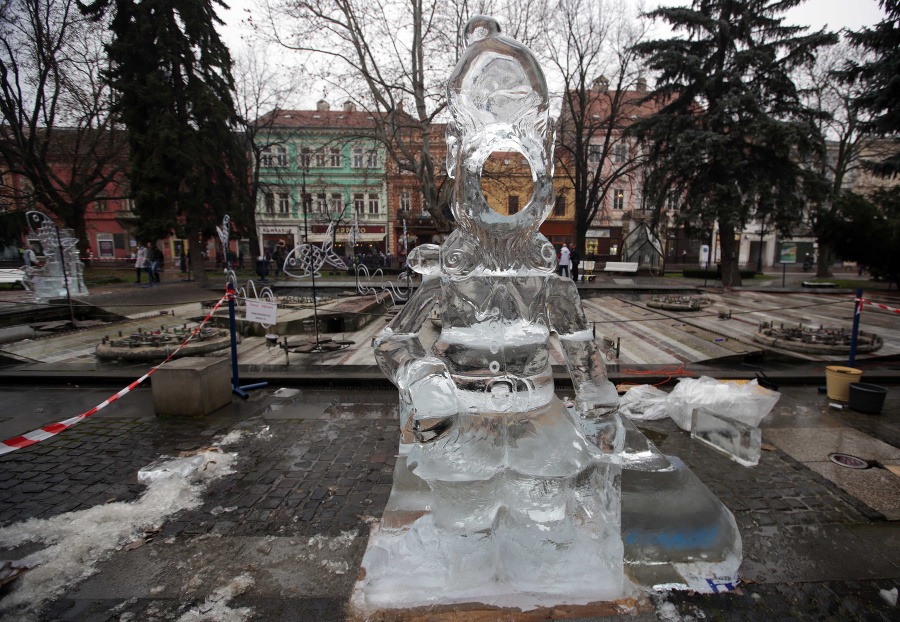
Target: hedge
x=700 y=273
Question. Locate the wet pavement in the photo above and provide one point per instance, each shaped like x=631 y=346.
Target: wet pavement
x=282 y=536
x=314 y=470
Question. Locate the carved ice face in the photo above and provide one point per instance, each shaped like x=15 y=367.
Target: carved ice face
x=498 y=99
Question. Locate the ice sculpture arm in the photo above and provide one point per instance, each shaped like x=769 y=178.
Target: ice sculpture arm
x=593 y=390
x=426 y=389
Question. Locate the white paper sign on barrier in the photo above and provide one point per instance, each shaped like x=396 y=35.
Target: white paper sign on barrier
x=261 y=312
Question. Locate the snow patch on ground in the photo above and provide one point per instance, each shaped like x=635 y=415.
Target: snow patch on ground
x=235 y=436
x=77 y=541
x=215 y=608
x=335 y=567
x=344 y=540
x=667 y=612
x=319 y=546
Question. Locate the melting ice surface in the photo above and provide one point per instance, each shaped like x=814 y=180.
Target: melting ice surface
x=500 y=496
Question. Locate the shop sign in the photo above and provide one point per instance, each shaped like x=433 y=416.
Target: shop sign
x=345 y=229
x=597 y=233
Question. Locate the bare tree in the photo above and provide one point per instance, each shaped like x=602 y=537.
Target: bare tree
x=590 y=44
x=392 y=58
x=841 y=121
x=58 y=129
x=262 y=89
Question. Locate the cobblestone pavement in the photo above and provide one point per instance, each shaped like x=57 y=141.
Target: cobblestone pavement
x=294 y=515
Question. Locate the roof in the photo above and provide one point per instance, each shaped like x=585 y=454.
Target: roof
x=316 y=119
x=634 y=104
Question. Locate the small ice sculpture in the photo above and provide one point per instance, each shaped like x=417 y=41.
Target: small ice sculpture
x=61 y=263
x=524 y=508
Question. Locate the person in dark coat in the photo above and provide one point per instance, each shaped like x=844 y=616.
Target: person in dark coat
x=574 y=259
x=157 y=257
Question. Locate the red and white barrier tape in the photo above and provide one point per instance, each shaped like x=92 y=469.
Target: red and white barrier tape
x=53 y=429
x=880 y=306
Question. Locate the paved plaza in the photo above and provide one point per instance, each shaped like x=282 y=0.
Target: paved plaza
x=302 y=469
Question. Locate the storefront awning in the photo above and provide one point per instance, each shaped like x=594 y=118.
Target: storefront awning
x=318 y=238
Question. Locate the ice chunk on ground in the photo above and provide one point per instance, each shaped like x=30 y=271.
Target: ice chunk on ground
x=748 y=403
x=166 y=468
x=740 y=442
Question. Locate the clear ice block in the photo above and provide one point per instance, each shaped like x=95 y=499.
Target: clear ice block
x=739 y=441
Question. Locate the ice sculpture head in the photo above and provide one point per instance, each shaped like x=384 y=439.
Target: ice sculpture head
x=498 y=100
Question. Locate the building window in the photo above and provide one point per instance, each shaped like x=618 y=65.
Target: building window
x=373 y=203
x=275 y=156
x=594 y=154
x=284 y=203
x=559 y=206
x=322 y=203
x=336 y=203
x=372 y=158
x=512 y=204
x=334 y=159
x=359 y=202
x=307 y=202
x=269 y=202
x=620 y=152
x=618 y=199
x=320 y=156
x=405 y=201
x=357 y=157
x=305 y=157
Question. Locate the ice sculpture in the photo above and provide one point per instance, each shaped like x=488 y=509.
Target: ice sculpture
x=61 y=264
x=501 y=494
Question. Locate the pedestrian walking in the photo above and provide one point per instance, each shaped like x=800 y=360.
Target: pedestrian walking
x=157 y=258
x=29 y=256
x=140 y=262
x=278 y=257
x=574 y=259
x=564 y=261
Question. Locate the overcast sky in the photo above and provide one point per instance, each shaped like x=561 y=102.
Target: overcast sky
x=834 y=14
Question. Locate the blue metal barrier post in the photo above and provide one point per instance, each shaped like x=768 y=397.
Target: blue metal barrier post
x=236 y=387
x=855 y=336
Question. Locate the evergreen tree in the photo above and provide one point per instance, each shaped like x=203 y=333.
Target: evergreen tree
x=732 y=133
x=172 y=74
x=867 y=230
x=881 y=88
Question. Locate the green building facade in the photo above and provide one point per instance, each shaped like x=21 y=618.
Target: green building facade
x=331 y=158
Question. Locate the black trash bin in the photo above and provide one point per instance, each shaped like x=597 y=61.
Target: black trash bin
x=262 y=268
x=866 y=398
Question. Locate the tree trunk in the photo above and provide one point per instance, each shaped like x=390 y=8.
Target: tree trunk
x=731 y=276
x=198 y=266
x=823 y=264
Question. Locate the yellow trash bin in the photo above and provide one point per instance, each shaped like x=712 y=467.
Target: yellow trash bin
x=838 y=379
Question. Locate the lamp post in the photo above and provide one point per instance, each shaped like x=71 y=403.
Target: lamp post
x=312 y=271
x=759 y=259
